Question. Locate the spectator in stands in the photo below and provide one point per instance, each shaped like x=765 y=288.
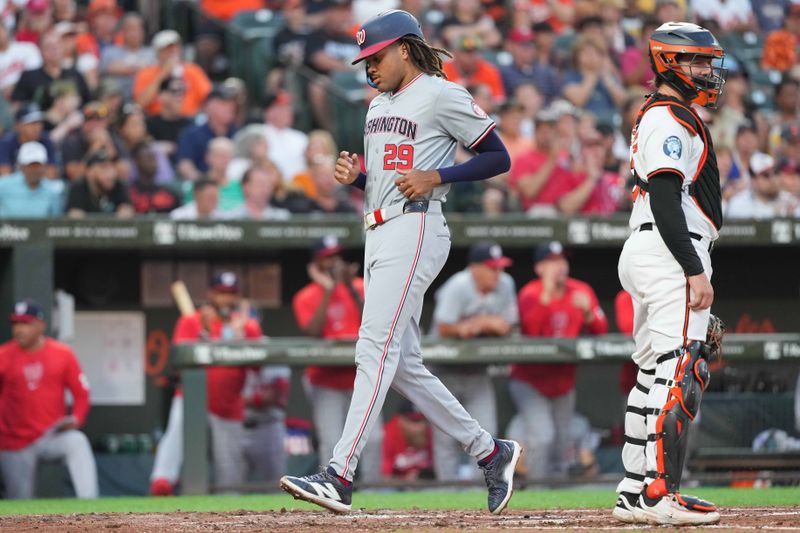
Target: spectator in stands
x=558 y=14
x=258 y=185
x=531 y=100
x=223 y=318
x=320 y=144
x=469 y=68
x=132 y=131
x=166 y=126
x=554 y=305
x=407 y=445
x=593 y=189
x=330 y=307
x=745 y=146
x=787 y=104
x=65 y=10
x=238 y=88
x=15 y=58
x=250 y=149
x=101 y=191
x=789 y=176
x=289 y=44
x=65 y=115
x=208 y=41
x=36 y=371
x=170 y=64
x=594 y=84
x=34 y=21
x=536 y=173
x=29 y=127
x=468 y=19
x=81 y=59
x=780 y=45
x=510 y=129
x=526 y=66
x=670 y=10
x=147 y=195
x=218 y=157
x=94 y=135
x=103 y=16
x=789 y=147
x=193 y=142
x=479 y=301
x=33 y=85
x=286 y=144
x=734 y=113
x=204 y=204
x=27 y=193
x=731 y=16
x=611 y=13
x=764 y=199
x=329 y=50
x=634 y=62
x=266 y=395
x=122 y=61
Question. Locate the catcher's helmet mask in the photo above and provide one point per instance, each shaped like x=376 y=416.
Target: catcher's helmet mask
x=383 y=30
x=676 y=44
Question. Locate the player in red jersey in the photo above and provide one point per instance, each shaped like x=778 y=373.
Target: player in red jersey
x=35 y=370
x=554 y=305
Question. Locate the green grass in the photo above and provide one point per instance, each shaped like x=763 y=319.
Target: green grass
x=724 y=497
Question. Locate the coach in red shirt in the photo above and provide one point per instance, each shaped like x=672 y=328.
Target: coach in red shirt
x=554 y=305
x=330 y=308
x=35 y=370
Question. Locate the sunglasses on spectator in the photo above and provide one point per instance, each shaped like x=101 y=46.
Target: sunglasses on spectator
x=95 y=111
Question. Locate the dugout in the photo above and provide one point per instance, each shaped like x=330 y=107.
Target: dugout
x=112 y=266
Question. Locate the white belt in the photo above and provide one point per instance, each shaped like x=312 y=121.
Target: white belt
x=384 y=214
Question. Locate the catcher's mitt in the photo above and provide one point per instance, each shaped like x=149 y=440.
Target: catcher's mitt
x=716 y=330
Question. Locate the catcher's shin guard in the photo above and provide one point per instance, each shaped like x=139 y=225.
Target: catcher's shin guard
x=691 y=377
x=633 y=457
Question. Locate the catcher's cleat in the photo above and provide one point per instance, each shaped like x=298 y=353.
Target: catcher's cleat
x=623 y=510
x=674 y=510
x=499 y=474
x=324 y=489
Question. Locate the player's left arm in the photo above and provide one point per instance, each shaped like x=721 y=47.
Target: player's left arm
x=596 y=320
x=459 y=116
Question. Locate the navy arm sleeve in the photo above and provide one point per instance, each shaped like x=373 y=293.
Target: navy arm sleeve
x=665 y=202
x=492 y=159
x=360 y=182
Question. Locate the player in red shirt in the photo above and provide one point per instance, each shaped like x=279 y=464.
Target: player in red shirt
x=554 y=305
x=330 y=308
x=221 y=319
x=35 y=370
x=407 y=445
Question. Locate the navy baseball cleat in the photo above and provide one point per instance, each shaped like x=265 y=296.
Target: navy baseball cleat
x=324 y=489
x=499 y=474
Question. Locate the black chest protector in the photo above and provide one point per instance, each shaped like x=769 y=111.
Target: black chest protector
x=705 y=188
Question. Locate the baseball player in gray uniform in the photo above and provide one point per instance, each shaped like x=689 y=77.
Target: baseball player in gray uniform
x=410 y=138
x=479 y=301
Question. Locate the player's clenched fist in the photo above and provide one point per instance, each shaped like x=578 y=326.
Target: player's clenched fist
x=347 y=168
x=417 y=183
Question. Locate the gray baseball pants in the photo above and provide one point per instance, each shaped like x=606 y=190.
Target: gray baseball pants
x=401 y=259
x=70 y=446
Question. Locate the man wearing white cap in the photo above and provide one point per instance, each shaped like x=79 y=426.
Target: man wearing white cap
x=764 y=199
x=147 y=83
x=26 y=193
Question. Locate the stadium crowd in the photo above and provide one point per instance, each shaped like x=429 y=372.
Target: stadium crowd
x=105 y=112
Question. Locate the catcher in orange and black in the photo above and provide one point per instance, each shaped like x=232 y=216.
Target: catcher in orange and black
x=665 y=266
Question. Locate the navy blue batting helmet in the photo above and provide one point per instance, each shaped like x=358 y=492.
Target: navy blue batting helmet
x=384 y=29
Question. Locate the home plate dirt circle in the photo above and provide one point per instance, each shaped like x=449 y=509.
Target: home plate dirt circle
x=733 y=519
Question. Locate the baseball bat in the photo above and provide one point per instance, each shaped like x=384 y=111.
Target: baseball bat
x=182 y=298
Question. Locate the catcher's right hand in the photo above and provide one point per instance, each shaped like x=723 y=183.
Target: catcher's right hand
x=716 y=330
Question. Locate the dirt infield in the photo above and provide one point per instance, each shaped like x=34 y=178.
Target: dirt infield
x=737 y=519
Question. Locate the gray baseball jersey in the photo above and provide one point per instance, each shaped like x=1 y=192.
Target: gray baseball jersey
x=459 y=298
x=418 y=127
